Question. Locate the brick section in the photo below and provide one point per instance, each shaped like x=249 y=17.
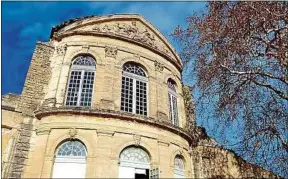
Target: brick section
x=38 y=76
x=21 y=152
x=37 y=79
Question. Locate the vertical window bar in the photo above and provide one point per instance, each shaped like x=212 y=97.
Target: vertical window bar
x=170 y=107
x=80 y=88
x=134 y=96
x=175 y=111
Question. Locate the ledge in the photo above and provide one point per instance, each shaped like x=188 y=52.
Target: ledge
x=39 y=114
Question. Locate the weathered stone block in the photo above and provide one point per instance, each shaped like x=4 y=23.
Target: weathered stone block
x=15 y=175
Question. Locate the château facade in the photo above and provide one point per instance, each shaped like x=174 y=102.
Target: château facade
x=104 y=98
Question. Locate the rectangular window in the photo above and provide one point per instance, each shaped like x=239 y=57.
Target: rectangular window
x=87 y=89
x=80 y=88
x=127 y=94
x=154 y=173
x=134 y=96
x=173 y=112
x=141 y=100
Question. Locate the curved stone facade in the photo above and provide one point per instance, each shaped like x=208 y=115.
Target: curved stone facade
x=169 y=138
x=103 y=127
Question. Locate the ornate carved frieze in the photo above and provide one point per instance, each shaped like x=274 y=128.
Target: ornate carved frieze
x=111 y=51
x=135 y=31
x=158 y=66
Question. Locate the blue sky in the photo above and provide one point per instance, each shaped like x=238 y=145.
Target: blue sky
x=25 y=23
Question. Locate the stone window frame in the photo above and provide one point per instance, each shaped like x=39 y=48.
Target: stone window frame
x=142 y=78
x=173 y=106
x=75 y=67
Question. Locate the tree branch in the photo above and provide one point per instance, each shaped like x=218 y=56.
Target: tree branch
x=278 y=92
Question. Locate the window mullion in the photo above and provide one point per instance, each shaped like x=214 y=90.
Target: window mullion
x=134 y=96
x=172 y=108
x=80 y=88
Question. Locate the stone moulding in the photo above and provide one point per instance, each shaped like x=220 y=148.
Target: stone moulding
x=60 y=36
x=118 y=115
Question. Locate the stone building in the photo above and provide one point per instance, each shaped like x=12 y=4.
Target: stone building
x=103 y=98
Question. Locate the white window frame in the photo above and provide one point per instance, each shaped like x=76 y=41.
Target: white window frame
x=83 y=69
x=179 y=173
x=135 y=78
x=172 y=94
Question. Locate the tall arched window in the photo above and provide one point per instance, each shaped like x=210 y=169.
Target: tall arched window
x=80 y=86
x=134 y=89
x=172 y=96
x=179 y=170
x=70 y=160
x=134 y=163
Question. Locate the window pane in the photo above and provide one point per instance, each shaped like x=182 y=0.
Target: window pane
x=71 y=148
x=134 y=68
x=87 y=89
x=84 y=61
x=175 y=111
x=73 y=88
x=170 y=107
x=141 y=98
x=127 y=94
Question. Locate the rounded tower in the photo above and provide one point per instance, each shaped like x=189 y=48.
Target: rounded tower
x=113 y=103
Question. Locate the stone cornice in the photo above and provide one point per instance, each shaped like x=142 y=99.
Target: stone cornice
x=60 y=36
x=118 y=115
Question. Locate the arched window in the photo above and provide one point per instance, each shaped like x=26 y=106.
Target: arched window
x=134 y=89
x=179 y=170
x=70 y=160
x=173 y=111
x=134 y=163
x=80 y=86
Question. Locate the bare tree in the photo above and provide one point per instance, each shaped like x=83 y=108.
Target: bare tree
x=237 y=57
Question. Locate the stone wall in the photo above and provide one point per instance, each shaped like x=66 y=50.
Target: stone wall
x=212 y=161
x=33 y=92
x=37 y=78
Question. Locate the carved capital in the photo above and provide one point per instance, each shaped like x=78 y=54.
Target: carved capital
x=111 y=51
x=50 y=102
x=44 y=131
x=158 y=66
x=61 y=49
x=137 y=139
